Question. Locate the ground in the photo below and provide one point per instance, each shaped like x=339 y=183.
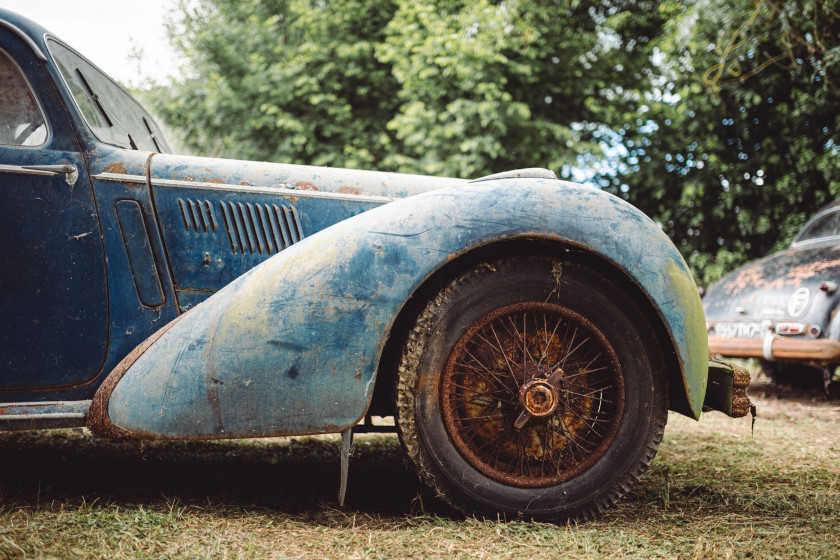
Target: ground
x=717 y=489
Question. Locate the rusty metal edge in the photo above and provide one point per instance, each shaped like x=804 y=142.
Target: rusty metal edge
x=98 y=420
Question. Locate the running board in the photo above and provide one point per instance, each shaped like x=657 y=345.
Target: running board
x=43 y=415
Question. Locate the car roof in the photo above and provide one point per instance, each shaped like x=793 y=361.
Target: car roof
x=30 y=32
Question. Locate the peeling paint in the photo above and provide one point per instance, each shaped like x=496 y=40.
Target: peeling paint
x=346 y=189
x=116 y=167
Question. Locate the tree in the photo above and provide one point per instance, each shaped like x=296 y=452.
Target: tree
x=488 y=86
x=443 y=87
x=283 y=80
x=740 y=145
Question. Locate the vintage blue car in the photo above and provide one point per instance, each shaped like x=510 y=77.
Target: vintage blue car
x=527 y=334
x=782 y=309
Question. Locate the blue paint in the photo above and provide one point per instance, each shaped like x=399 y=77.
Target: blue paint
x=332 y=298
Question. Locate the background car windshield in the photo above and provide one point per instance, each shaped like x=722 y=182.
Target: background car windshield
x=110 y=112
x=827 y=225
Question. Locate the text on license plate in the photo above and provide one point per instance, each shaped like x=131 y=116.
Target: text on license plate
x=742 y=329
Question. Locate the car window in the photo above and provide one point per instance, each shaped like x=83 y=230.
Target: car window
x=110 y=112
x=21 y=120
x=825 y=225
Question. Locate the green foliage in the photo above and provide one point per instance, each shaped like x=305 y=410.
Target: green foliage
x=742 y=147
x=454 y=88
x=488 y=86
x=294 y=81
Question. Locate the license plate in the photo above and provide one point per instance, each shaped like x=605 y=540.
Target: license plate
x=741 y=329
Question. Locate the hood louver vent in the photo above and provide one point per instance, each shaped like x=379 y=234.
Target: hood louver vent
x=198 y=215
x=262 y=229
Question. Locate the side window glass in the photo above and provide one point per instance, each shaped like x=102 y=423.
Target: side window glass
x=21 y=120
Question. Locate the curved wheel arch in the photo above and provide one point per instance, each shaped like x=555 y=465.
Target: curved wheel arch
x=382 y=401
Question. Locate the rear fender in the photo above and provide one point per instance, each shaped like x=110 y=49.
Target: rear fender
x=292 y=346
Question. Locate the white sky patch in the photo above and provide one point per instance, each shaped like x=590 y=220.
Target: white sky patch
x=107 y=32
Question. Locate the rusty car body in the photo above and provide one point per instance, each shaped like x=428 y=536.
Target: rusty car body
x=782 y=309
x=528 y=334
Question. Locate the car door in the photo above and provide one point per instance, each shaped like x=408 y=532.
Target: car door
x=53 y=293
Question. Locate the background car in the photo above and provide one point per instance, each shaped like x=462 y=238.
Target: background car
x=782 y=309
x=528 y=334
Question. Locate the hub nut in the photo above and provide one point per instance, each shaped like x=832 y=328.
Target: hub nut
x=538 y=398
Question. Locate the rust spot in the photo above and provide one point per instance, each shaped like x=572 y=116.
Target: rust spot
x=794 y=276
x=346 y=189
x=245 y=184
x=208 y=170
x=116 y=167
x=190 y=178
x=304 y=186
x=215 y=181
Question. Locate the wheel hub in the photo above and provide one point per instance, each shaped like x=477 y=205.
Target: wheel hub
x=538 y=398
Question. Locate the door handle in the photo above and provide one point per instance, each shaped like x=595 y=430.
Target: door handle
x=70 y=171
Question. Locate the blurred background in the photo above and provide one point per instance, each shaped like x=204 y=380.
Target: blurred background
x=718 y=119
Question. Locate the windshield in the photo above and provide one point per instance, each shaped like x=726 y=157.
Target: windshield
x=822 y=226
x=110 y=112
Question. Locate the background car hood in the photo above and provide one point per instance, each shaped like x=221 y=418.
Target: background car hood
x=764 y=288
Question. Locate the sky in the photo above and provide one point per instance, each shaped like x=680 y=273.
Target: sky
x=106 y=31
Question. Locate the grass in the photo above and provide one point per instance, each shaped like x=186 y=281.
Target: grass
x=716 y=490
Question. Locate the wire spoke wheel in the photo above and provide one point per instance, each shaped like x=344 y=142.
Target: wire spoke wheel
x=546 y=366
x=528 y=388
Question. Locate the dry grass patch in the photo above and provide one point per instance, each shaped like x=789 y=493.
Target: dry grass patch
x=716 y=490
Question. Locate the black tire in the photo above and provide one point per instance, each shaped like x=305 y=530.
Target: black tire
x=801 y=376
x=570 y=463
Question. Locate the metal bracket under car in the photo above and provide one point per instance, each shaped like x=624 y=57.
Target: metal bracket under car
x=727 y=390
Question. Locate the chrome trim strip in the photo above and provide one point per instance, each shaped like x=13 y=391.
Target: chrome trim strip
x=120 y=178
x=75 y=409
x=527 y=173
x=31 y=417
x=284 y=189
x=26 y=39
x=815 y=241
x=26 y=170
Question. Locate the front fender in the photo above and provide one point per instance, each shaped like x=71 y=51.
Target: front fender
x=292 y=346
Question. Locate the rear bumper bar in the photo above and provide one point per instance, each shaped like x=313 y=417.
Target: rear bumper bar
x=774 y=347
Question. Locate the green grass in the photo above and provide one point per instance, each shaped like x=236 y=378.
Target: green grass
x=715 y=490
